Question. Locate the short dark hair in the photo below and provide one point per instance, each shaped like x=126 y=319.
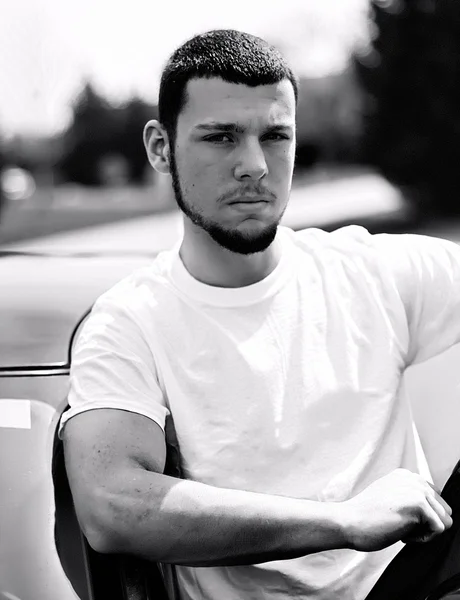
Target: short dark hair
x=234 y=56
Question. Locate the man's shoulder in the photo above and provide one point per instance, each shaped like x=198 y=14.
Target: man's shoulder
x=353 y=238
x=349 y=239
x=356 y=247
x=404 y=257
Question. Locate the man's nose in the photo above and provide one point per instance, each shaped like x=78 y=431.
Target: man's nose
x=250 y=163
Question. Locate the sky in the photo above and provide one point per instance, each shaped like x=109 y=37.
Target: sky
x=47 y=47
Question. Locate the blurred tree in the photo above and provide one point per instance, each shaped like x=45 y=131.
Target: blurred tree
x=135 y=115
x=91 y=135
x=411 y=73
x=102 y=134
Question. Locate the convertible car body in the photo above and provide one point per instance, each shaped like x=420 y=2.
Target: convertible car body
x=47 y=287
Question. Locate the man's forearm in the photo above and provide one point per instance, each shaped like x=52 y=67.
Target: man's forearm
x=183 y=522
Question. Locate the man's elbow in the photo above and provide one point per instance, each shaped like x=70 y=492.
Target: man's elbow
x=110 y=540
x=98 y=520
x=109 y=525
x=101 y=541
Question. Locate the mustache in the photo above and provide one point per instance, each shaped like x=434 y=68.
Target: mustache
x=247 y=191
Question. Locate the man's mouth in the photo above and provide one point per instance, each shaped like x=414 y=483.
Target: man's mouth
x=249 y=200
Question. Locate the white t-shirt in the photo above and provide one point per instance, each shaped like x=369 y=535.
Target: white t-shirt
x=289 y=386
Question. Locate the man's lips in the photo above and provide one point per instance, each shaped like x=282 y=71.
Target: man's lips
x=250 y=205
x=248 y=200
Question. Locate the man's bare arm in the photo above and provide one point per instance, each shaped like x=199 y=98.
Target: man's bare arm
x=125 y=503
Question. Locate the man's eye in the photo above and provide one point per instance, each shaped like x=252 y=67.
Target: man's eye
x=276 y=137
x=218 y=138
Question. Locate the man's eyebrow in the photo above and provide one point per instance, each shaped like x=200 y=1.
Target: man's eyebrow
x=236 y=128
x=216 y=126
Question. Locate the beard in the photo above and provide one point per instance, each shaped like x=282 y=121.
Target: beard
x=236 y=241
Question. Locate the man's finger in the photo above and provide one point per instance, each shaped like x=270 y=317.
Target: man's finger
x=440 y=499
x=442 y=510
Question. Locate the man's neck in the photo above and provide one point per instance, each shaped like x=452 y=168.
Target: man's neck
x=213 y=265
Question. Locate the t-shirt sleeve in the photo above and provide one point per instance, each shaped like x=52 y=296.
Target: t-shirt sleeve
x=113 y=367
x=427 y=275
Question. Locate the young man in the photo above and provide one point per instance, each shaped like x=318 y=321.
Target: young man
x=278 y=357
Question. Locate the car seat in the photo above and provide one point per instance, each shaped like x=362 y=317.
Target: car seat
x=96 y=576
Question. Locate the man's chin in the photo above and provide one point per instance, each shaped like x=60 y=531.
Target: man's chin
x=244 y=242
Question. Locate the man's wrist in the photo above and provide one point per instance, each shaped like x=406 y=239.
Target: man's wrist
x=334 y=519
x=341 y=518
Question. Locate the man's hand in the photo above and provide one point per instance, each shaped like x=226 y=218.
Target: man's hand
x=400 y=506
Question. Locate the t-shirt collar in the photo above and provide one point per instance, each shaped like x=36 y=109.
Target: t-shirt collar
x=241 y=296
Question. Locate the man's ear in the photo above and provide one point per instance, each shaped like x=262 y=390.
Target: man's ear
x=156 y=144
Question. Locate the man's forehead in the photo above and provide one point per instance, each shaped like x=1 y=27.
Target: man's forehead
x=215 y=100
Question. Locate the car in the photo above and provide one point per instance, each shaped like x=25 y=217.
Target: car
x=48 y=288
